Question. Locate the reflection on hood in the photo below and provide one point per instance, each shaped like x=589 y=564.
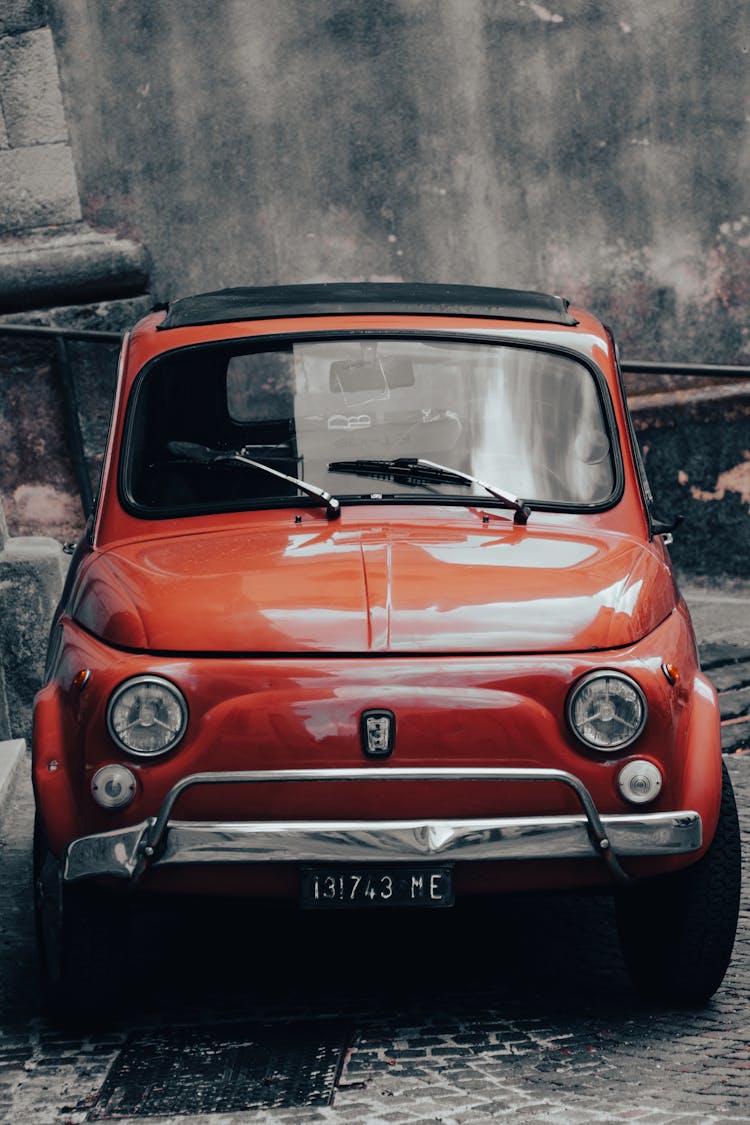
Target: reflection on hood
x=432 y=589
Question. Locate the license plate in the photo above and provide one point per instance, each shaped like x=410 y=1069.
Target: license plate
x=331 y=888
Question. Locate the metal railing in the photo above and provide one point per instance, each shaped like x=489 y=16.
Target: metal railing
x=60 y=337
x=71 y=417
x=720 y=370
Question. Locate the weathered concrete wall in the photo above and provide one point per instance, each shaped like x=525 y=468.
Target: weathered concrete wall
x=591 y=148
x=696 y=447
x=32 y=571
x=38 y=486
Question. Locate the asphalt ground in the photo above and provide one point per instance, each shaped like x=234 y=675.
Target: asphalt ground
x=456 y=1017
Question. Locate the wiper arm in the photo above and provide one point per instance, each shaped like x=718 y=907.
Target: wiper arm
x=421 y=469
x=206 y=456
x=522 y=510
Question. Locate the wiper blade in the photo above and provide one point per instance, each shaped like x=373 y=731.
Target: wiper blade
x=206 y=456
x=401 y=468
x=421 y=469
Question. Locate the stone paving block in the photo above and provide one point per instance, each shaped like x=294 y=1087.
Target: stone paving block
x=30 y=89
x=735 y=737
x=37 y=187
x=398 y=1115
x=735 y=703
x=729 y=675
x=21 y=15
x=472 y=1038
x=715 y=654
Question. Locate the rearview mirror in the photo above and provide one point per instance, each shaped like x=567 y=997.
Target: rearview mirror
x=379 y=376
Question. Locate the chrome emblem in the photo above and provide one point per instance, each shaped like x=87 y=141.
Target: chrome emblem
x=378 y=731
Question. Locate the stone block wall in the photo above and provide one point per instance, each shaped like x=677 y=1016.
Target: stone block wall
x=37 y=177
x=48 y=255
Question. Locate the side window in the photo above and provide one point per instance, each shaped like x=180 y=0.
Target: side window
x=260 y=386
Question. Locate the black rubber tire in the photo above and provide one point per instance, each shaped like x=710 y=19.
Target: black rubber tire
x=677 y=931
x=81 y=941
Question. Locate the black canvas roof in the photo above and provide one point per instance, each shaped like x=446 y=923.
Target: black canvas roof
x=366 y=297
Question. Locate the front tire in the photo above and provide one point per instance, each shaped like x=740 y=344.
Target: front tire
x=81 y=939
x=677 y=931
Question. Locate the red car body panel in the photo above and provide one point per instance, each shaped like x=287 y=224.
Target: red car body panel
x=365 y=585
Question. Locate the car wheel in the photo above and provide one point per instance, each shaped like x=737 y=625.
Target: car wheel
x=677 y=931
x=81 y=939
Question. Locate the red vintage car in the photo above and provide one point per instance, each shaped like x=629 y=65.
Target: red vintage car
x=373 y=613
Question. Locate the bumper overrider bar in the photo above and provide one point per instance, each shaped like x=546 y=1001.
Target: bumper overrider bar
x=161 y=841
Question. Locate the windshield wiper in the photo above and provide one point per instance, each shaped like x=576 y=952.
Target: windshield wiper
x=421 y=470
x=206 y=456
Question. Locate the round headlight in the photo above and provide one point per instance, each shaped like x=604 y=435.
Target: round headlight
x=607 y=711
x=147 y=716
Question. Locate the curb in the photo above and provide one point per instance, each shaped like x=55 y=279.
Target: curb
x=12 y=753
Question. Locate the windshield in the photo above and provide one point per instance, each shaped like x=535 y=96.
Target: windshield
x=526 y=421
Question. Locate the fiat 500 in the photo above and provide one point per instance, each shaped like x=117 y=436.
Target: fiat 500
x=373 y=613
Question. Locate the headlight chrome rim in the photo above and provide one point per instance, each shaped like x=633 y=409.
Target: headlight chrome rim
x=165 y=685
x=606 y=674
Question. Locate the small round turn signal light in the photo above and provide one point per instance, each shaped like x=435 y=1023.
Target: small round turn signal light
x=113 y=787
x=640 y=782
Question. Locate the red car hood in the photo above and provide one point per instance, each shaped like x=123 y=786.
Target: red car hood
x=378 y=590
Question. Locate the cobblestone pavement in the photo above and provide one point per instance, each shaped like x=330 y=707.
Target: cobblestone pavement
x=454 y=1018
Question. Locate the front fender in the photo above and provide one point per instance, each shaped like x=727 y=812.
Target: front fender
x=700 y=735
x=52 y=770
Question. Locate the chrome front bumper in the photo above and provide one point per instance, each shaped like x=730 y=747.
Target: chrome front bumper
x=164 y=842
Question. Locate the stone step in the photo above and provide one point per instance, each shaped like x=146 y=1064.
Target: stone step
x=12 y=754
